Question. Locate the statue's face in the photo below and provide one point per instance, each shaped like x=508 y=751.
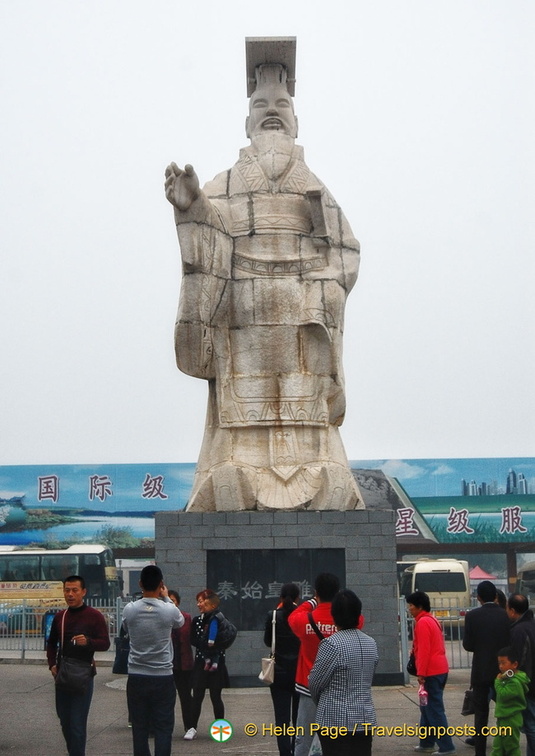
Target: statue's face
x=271 y=109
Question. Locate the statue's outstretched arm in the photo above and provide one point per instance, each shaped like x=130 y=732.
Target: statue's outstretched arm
x=190 y=202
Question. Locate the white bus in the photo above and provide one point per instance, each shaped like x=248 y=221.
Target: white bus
x=38 y=573
x=446 y=582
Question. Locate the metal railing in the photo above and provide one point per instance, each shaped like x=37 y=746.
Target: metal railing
x=25 y=623
x=453 y=628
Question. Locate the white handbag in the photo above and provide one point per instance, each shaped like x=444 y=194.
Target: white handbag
x=267 y=673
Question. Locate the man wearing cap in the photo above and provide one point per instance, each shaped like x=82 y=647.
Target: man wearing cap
x=268 y=261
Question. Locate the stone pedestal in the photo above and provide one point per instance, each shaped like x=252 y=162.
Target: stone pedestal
x=190 y=545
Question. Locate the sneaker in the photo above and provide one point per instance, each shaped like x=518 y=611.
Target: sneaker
x=424 y=749
x=191 y=734
x=444 y=753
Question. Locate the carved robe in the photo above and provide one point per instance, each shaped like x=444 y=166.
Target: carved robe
x=267 y=267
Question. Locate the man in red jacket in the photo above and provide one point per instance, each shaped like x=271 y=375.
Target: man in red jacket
x=311 y=622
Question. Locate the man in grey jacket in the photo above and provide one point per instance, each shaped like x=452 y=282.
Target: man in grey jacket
x=523 y=643
x=150 y=690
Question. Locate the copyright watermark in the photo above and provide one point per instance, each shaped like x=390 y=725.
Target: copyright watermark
x=269 y=730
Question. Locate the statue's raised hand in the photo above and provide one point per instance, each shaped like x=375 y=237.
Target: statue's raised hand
x=181 y=186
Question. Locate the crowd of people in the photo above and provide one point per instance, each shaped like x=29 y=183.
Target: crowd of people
x=160 y=661
x=500 y=633
x=323 y=673
x=324 y=664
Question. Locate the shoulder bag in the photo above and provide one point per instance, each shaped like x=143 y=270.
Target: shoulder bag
x=122 y=649
x=267 y=673
x=468 y=703
x=73 y=675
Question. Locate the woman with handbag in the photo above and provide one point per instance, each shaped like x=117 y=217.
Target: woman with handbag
x=282 y=689
x=432 y=672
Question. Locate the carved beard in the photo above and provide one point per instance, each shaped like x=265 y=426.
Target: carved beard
x=274 y=152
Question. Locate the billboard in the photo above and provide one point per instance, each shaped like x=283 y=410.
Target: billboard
x=76 y=503
x=452 y=500
x=461 y=500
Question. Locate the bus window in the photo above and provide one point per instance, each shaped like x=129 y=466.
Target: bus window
x=107 y=558
x=29 y=568
x=19 y=569
x=5 y=571
x=56 y=567
x=93 y=577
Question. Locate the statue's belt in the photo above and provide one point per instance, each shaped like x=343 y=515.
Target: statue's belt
x=279 y=267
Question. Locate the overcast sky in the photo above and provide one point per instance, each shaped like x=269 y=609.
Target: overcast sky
x=419 y=117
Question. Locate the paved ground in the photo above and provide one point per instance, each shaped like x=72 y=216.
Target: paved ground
x=29 y=726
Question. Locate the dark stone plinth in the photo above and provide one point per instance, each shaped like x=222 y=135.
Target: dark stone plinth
x=183 y=540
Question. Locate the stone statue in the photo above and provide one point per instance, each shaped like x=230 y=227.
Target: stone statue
x=268 y=261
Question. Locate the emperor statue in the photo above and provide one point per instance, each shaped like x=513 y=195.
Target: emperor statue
x=268 y=260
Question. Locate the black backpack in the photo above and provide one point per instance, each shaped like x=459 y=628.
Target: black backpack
x=226 y=633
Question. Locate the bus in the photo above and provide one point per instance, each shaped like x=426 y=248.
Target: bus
x=38 y=573
x=446 y=582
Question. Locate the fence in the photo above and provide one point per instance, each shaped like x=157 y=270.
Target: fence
x=453 y=629
x=25 y=624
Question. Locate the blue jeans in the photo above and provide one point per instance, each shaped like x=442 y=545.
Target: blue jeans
x=306 y=715
x=433 y=715
x=151 y=704
x=73 y=711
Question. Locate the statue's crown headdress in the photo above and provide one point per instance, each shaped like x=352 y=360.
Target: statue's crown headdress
x=270 y=59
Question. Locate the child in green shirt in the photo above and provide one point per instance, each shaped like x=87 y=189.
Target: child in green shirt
x=511 y=685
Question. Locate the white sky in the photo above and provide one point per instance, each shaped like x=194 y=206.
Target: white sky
x=419 y=117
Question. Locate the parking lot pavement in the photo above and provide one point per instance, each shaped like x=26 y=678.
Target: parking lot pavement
x=29 y=725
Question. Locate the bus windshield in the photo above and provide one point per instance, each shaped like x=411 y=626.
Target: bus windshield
x=440 y=582
x=525 y=583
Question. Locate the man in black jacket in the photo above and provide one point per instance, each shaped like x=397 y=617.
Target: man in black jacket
x=486 y=631
x=523 y=642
